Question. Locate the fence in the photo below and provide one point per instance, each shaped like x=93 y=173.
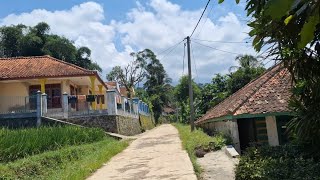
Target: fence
x=79 y=106
x=18 y=104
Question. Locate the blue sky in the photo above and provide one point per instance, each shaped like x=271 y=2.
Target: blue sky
x=114 y=28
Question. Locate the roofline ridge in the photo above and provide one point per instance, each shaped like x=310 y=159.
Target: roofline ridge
x=21 y=57
x=234 y=94
x=67 y=63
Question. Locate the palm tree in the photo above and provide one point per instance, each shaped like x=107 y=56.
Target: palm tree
x=246 y=61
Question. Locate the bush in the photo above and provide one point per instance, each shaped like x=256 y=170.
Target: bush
x=282 y=162
x=220 y=140
x=20 y=143
x=74 y=162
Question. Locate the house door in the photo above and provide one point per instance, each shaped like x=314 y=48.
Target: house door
x=246 y=133
x=252 y=131
x=53 y=92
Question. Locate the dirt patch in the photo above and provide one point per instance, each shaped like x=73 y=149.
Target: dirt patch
x=217 y=165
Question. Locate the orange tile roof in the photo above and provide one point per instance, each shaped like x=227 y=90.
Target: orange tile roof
x=40 y=67
x=269 y=93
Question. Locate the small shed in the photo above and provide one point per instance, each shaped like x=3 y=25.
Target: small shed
x=257 y=113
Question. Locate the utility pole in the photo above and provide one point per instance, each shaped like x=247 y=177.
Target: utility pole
x=190 y=86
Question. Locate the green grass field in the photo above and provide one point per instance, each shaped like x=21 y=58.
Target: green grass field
x=22 y=143
x=73 y=162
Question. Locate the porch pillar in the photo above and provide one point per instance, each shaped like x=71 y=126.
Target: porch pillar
x=112 y=103
x=43 y=85
x=100 y=93
x=44 y=104
x=93 y=90
x=272 y=130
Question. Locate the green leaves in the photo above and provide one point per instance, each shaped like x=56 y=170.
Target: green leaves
x=221 y=1
x=288 y=19
x=278 y=8
x=307 y=31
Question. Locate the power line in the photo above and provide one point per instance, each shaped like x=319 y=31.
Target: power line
x=216 y=48
x=245 y=42
x=170 y=47
x=205 y=20
x=200 y=18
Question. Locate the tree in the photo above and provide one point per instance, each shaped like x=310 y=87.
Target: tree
x=21 y=40
x=10 y=38
x=145 y=67
x=291 y=31
x=130 y=75
x=157 y=84
x=213 y=93
x=181 y=93
x=249 y=69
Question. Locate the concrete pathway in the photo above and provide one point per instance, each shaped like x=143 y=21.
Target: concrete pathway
x=157 y=154
x=217 y=166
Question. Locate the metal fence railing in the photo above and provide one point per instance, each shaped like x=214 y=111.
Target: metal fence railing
x=79 y=106
x=18 y=104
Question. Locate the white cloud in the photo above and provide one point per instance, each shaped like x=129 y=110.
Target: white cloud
x=156 y=25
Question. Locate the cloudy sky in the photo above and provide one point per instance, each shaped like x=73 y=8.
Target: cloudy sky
x=113 y=29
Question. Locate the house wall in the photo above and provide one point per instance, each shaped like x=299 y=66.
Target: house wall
x=12 y=96
x=229 y=127
x=272 y=130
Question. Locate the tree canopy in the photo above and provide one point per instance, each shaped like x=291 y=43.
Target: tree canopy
x=21 y=40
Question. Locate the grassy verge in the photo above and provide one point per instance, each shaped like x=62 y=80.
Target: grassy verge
x=74 y=162
x=21 y=143
x=191 y=140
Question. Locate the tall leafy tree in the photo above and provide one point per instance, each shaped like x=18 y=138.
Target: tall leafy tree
x=181 y=93
x=213 y=93
x=21 y=40
x=10 y=39
x=249 y=69
x=157 y=83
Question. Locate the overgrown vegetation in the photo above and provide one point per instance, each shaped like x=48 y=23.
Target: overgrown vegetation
x=21 y=143
x=75 y=162
x=273 y=163
x=193 y=140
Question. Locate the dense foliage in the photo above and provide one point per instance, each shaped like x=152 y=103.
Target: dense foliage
x=273 y=163
x=72 y=162
x=21 y=40
x=21 y=143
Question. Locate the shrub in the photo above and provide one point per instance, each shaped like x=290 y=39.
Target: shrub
x=20 y=143
x=282 y=162
x=220 y=140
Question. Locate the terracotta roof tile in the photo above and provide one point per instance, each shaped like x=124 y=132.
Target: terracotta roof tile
x=39 y=67
x=269 y=93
